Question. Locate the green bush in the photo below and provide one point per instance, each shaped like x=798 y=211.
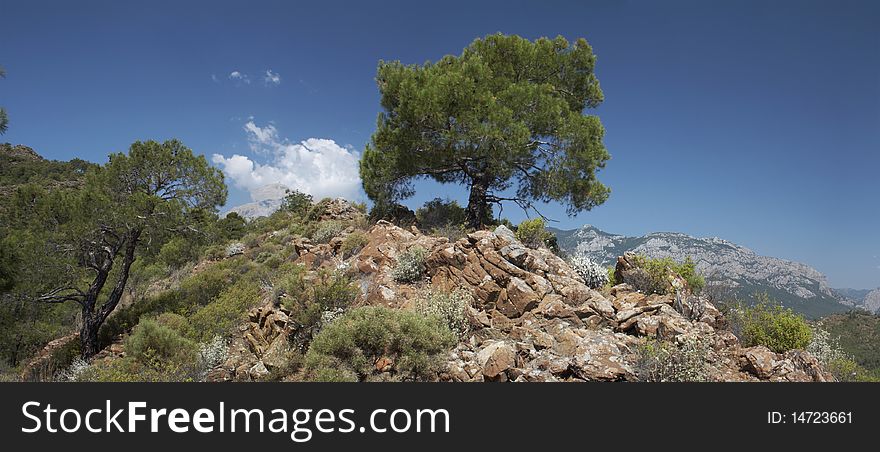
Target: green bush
x=770 y=324
x=439 y=213
x=297 y=202
x=410 y=265
x=178 y=251
x=220 y=316
x=353 y=243
x=318 y=210
x=348 y=348
x=533 y=234
x=329 y=292
x=658 y=281
x=152 y=340
x=326 y=231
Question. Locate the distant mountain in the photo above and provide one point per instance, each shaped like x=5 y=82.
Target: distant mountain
x=266 y=200
x=866 y=299
x=729 y=268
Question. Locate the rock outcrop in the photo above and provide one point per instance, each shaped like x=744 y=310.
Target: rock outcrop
x=532 y=318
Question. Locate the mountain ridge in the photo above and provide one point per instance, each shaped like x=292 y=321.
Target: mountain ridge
x=732 y=270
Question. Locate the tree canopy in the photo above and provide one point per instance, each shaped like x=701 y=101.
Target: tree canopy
x=82 y=243
x=504 y=118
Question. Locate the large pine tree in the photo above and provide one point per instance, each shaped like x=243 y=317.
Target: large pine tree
x=504 y=118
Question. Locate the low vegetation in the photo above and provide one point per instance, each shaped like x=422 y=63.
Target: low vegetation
x=770 y=324
x=378 y=343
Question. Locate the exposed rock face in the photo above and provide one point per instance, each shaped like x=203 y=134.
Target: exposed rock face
x=43 y=367
x=724 y=263
x=262 y=345
x=871 y=303
x=532 y=318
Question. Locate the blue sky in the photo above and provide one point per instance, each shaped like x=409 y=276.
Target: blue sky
x=758 y=122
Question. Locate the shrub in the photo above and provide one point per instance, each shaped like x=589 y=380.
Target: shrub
x=234 y=249
x=451 y=308
x=326 y=231
x=532 y=233
x=221 y=315
x=353 y=243
x=392 y=212
x=296 y=202
x=660 y=361
x=211 y=354
x=590 y=272
x=773 y=326
x=439 y=213
x=177 y=252
x=318 y=210
x=349 y=348
x=410 y=265
x=655 y=278
x=152 y=340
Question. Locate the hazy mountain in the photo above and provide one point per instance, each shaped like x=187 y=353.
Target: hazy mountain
x=729 y=268
x=866 y=299
x=265 y=201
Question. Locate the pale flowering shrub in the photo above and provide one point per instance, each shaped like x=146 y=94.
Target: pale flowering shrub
x=410 y=265
x=450 y=307
x=75 y=372
x=674 y=362
x=212 y=354
x=234 y=249
x=593 y=274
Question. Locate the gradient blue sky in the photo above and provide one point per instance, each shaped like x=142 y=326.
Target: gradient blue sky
x=758 y=122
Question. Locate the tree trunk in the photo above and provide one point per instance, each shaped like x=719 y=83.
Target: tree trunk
x=88 y=335
x=478 y=212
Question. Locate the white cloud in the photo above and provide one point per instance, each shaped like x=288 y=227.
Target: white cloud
x=241 y=77
x=272 y=78
x=316 y=166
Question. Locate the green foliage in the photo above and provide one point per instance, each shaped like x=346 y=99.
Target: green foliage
x=309 y=299
x=230 y=227
x=438 y=214
x=393 y=212
x=506 y=112
x=410 y=265
x=857 y=334
x=220 y=316
x=347 y=349
x=153 y=340
x=533 y=234
x=353 y=243
x=327 y=230
x=297 y=202
x=612 y=281
x=770 y=324
x=658 y=274
x=178 y=251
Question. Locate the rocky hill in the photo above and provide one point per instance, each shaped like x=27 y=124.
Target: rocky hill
x=527 y=315
x=728 y=267
x=531 y=319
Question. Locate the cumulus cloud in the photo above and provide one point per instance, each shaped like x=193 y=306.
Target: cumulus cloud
x=272 y=78
x=316 y=166
x=240 y=77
